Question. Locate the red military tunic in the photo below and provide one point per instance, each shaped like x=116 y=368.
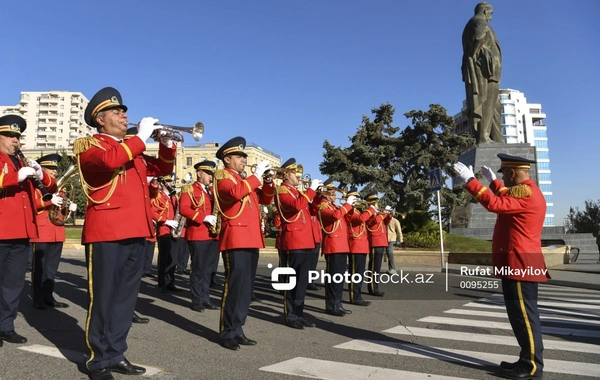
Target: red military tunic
x=277 y=225
x=296 y=225
x=377 y=229
x=357 y=231
x=116 y=174
x=239 y=201
x=516 y=243
x=316 y=225
x=17 y=209
x=47 y=231
x=162 y=210
x=334 y=226
x=195 y=204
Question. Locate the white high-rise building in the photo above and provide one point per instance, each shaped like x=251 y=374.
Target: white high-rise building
x=523 y=122
x=54 y=119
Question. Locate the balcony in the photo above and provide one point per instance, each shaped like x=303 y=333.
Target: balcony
x=53 y=100
x=74 y=117
x=76 y=100
x=74 y=126
x=75 y=109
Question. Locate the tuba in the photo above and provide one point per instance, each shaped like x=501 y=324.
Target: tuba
x=59 y=214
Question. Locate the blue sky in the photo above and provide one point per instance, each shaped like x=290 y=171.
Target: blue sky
x=288 y=74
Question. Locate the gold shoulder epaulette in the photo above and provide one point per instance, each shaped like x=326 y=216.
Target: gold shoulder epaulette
x=282 y=190
x=187 y=188
x=84 y=143
x=222 y=174
x=322 y=205
x=519 y=191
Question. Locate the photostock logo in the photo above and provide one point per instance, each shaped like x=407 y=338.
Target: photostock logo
x=291 y=274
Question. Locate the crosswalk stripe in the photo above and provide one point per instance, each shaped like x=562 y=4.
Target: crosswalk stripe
x=568 y=294
x=74 y=356
x=507 y=326
x=570 y=305
x=330 y=370
x=566 y=289
x=499 y=306
x=543 y=318
x=463 y=356
x=562 y=299
x=505 y=340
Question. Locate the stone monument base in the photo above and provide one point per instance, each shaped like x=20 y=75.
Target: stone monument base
x=473 y=215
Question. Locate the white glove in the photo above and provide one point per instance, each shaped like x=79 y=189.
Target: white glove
x=488 y=173
x=261 y=168
x=73 y=207
x=172 y=223
x=38 y=169
x=373 y=209
x=146 y=127
x=210 y=219
x=57 y=200
x=463 y=171
x=315 y=183
x=351 y=200
x=25 y=172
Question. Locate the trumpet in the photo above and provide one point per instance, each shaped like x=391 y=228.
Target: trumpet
x=304 y=180
x=324 y=190
x=54 y=214
x=173 y=132
x=272 y=173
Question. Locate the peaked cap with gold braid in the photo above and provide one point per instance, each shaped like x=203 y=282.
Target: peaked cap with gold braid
x=106 y=99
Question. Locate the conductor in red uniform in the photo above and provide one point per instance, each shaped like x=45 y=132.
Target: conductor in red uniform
x=118 y=219
x=17 y=221
x=238 y=198
x=296 y=240
x=516 y=253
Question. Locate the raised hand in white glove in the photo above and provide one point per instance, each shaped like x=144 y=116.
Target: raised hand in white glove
x=38 y=169
x=463 y=171
x=166 y=141
x=73 y=207
x=373 y=209
x=25 y=172
x=56 y=200
x=351 y=200
x=146 y=127
x=210 y=219
x=315 y=183
x=261 y=168
x=488 y=173
x=172 y=223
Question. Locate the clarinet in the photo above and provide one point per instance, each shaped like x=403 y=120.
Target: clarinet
x=169 y=188
x=46 y=196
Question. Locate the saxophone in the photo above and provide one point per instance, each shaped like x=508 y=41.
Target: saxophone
x=176 y=232
x=216 y=228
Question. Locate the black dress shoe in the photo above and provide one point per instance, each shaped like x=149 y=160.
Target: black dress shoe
x=126 y=368
x=138 y=319
x=210 y=306
x=178 y=271
x=312 y=287
x=174 y=289
x=254 y=298
x=230 y=344
x=244 y=341
x=197 y=307
x=56 y=304
x=39 y=305
x=337 y=313
x=377 y=294
x=345 y=311
x=306 y=323
x=295 y=325
x=101 y=374
x=1 y=344
x=187 y=272
x=508 y=365
x=518 y=373
x=12 y=337
x=361 y=303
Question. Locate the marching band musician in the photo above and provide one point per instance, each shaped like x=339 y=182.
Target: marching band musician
x=163 y=213
x=17 y=221
x=317 y=237
x=197 y=207
x=118 y=220
x=334 y=246
x=296 y=240
x=182 y=249
x=47 y=247
x=377 y=231
x=359 y=247
x=240 y=239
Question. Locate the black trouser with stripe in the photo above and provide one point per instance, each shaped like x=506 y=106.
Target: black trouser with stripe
x=183 y=253
x=167 y=260
x=521 y=298
x=237 y=292
x=375 y=258
x=357 y=265
x=335 y=264
x=115 y=272
x=46 y=257
x=13 y=266
x=204 y=255
x=149 y=253
x=293 y=300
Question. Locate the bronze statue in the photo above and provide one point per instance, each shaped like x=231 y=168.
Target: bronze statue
x=481 y=69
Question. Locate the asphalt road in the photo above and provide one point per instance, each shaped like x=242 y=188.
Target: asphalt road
x=461 y=333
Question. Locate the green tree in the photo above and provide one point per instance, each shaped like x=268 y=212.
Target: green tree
x=583 y=221
x=397 y=162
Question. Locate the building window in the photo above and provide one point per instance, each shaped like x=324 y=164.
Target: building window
x=543 y=155
x=549 y=221
x=503 y=97
x=546 y=188
x=541 y=144
x=544 y=176
x=539 y=133
x=543 y=166
x=188 y=161
x=548 y=198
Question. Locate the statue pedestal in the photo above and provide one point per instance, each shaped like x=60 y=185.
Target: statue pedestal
x=473 y=215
